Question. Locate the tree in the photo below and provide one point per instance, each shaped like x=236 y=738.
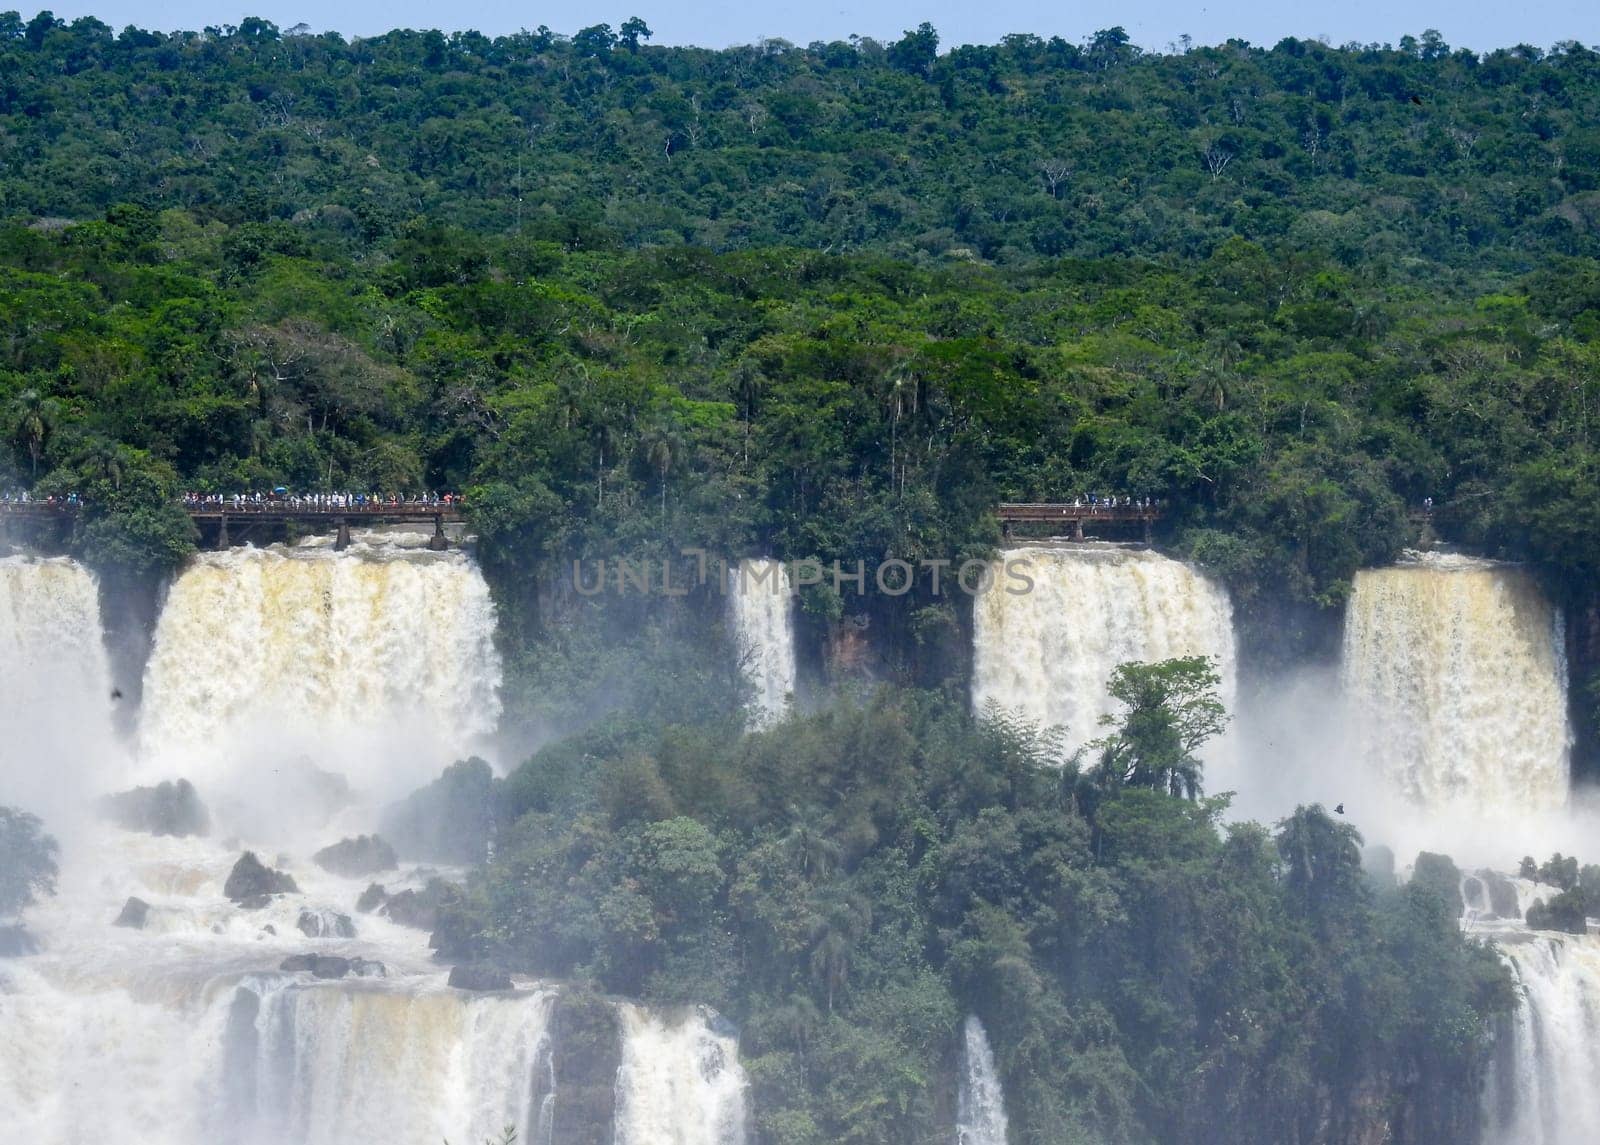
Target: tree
x=27 y=861
x=33 y=420
x=1170 y=711
x=632 y=31
x=916 y=51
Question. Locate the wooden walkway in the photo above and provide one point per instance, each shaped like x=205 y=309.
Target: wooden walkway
x=242 y=518
x=1083 y=519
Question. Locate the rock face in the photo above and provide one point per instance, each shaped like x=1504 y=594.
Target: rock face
x=16 y=942
x=481 y=978
x=421 y=908
x=449 y=821
x=252 y=882
x=356 y=858
x=372 y=898
x=589 y=1034
x=135 y=913
x=1502 y=894
x=331 y=967
x=325 y=924
x=165 y=809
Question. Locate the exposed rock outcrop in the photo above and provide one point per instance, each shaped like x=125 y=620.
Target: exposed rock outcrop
x=251 y=883
x=332 y=967
x=358 y=857
x=325 y=924
x=172 y=808
x=135 y=913
x=479 y=978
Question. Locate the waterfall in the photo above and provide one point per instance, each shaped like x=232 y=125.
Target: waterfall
x=378 y=664
x=1457 y=676
x=760 y=607
x=368 y=662
x=1542 y=1087
x=330 y=1064
x=680 y=1082
x=55 y=683
x=1048 y=652
x=980 y=1104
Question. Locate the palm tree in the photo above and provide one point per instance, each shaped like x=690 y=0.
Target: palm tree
x=103 y=460
x=33 y=419
x=661 y=445
x=809 y=844
x=843 y=919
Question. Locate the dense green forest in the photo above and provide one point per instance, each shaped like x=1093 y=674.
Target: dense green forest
x=835 y=302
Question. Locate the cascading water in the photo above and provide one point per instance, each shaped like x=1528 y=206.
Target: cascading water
x=680 y=1082
x=1542 y=1087
x=760 y=606
x=1456 y=674
x=1048 y=652
x=55 y=684
x=368 y=662
x=980 y=1103
x=378 y=664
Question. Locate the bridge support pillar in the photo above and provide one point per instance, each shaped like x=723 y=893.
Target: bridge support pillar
x=341 y=540
x=1077 y=528
x=438 y=542
x=1149 y=537
x=222 y=532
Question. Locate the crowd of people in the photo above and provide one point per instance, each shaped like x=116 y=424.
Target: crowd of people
x=322 y=502
x=23 y=497
x=1115 y=501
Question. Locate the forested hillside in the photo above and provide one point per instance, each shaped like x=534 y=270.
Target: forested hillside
x=1025 y=150
x=836 y=302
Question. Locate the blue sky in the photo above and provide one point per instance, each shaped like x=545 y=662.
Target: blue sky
x=1478 y=24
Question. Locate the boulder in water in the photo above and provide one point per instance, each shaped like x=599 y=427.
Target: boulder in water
x=252 y=882
x=332 y=967
x=1502 y=894
x=325 y=924
x=165 y=809
x=479 y=978
x=135 y=912
x=372 y=898
x=357 y=857
x=16 y=942
x=421 y=908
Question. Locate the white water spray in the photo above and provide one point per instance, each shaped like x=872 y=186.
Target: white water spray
x=1457 y=678
x=1048 y=652
x=761 y=609
x=680 y=1082
x=377 y=663
x=980 y=1104
x=56 y=736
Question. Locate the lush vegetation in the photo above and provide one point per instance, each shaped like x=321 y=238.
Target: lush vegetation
x=27 y=861
x=834 y=302
x=848 y=885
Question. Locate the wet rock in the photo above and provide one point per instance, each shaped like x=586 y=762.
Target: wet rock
x=325 y=924
x=357 y=857
x=16 y=942
x=480 y=978
x=421 y=908
x=332 y=967
x=251 y=880
x=270 y=929
x=250 y=902
x=165 y=809
x=372 y=898
x=1502 y=894
x=135 y=912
